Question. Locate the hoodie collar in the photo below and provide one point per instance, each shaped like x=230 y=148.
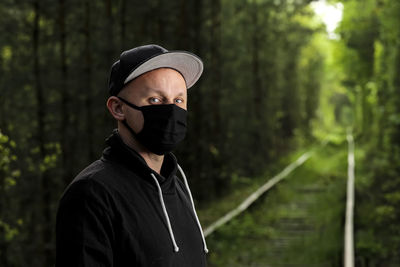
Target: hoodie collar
x=118 y=151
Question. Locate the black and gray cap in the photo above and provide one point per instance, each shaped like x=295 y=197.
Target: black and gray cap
x=137 y=61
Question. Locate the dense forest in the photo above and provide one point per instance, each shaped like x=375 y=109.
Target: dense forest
x=273 y=83
x=369 y=56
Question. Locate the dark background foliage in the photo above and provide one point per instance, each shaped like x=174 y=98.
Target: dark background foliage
x=265 y=91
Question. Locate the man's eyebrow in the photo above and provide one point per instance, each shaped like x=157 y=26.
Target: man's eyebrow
x=158 y=91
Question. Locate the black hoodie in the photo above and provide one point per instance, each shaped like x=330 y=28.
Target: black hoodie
x=111 y=215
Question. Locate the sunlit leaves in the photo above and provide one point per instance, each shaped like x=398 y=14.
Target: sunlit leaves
x=371 y=32
x=9 y=231
x=8 y=175
x=8 y=179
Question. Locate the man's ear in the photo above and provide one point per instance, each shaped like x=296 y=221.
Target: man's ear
x=114 y=105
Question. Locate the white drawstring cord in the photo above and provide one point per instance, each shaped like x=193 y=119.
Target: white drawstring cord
x=194 y=209
x=171 y=233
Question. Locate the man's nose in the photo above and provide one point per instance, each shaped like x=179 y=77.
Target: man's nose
x=169 y=101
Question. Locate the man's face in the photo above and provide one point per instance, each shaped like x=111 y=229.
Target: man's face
x=161 y=86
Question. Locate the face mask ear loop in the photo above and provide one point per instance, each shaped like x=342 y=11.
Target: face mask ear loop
x=124 y=121
x=129 y=103
x=129 y=128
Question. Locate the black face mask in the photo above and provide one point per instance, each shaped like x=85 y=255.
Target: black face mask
x=164 y=126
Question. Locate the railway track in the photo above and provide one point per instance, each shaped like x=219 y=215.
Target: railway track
x=295 y=219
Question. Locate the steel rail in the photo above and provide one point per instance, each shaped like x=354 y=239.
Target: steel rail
x=254 y=196
x=348 y=258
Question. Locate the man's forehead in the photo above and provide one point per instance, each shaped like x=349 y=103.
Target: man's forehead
x=162 y=73
x=161 y=81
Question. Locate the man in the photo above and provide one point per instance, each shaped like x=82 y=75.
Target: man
x=129 y=208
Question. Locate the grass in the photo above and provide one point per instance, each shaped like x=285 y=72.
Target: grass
x=297 y=222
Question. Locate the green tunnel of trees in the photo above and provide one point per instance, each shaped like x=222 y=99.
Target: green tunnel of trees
x=266 y=90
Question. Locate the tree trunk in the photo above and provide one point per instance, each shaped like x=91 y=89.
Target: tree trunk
x=123 y=24
x=257 y=85
x=90 y=123
x=46 y=216
x=109 y=57
x=183 y=28
x=396 y=101
x=197 y=114
x=110 y=35
x=216 y=94
x=65 y=99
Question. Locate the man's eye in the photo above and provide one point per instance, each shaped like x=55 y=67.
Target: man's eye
x=155 y=100
x=178 y=101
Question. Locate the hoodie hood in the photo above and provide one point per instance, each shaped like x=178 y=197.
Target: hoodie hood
x=120 y=152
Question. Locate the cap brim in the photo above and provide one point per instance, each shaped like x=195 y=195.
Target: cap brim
x=187 y=64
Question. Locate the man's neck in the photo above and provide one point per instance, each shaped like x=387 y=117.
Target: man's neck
x=154 y=161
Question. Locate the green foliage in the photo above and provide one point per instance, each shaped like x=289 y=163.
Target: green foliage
x=9 y=225
x=7 y=173
x=272 y=82
x=369 y=58
x=256 y=102
x=9 y=232
x=283 y=226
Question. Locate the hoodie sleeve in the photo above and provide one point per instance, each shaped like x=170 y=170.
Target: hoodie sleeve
x=84 y=232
